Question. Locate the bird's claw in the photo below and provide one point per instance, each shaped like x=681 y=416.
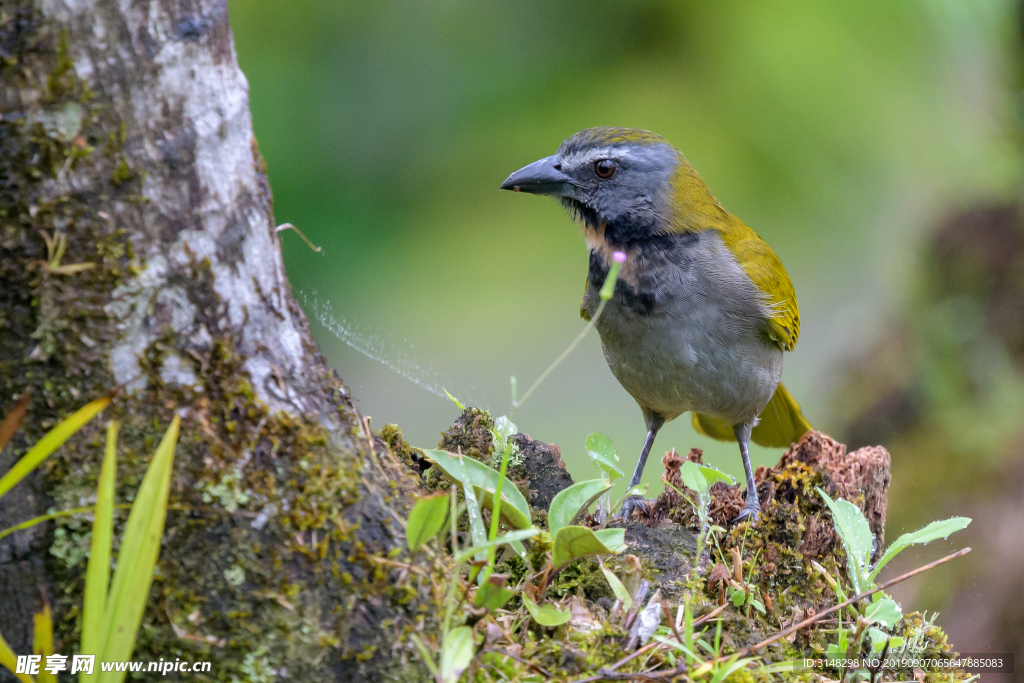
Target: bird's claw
x=629 y=505
x=748 y=514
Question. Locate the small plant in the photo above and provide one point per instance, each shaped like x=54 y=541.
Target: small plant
x=866 y=622
x=602 y=454
x=110 y=618
x=742 y=592
x=485 y=488
x=699 y=479
x=689 y=642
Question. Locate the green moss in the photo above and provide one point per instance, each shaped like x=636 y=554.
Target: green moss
x=583 y=578
x=391 y=435
x=470 y=435
x=121 y=172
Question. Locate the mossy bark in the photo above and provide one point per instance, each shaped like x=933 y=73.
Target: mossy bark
x=125 y=134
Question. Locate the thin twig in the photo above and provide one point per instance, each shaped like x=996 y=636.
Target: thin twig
x=713 y=613
x=810 y=620
x=401 y=565
x=289 y=226
x=672 y=623
x=604 y=674
x=639 y=652
x=881 y=661
x=536 y=667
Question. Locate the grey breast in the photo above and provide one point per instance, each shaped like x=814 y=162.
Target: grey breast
x=689 y=332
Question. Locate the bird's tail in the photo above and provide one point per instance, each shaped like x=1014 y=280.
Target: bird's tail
x=782 y=423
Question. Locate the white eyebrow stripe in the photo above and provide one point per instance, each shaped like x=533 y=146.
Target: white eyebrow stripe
x=606 y=152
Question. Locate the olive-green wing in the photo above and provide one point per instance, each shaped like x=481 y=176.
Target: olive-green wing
x=761 y=264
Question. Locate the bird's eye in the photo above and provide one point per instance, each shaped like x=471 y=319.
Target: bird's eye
x=604 y=168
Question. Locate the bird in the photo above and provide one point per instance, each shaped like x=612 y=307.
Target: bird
x=702 y=309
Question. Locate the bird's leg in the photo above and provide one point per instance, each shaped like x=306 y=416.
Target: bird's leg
x=654 y=423
x=752 y=507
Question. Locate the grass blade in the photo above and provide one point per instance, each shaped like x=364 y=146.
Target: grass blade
x=137 y=557
x=476 y=523
x=515 y=535
x=10 y=660
x=42 y=641
x=45 y=518
x=97 y=574
x=51 y=442
x=425 y=654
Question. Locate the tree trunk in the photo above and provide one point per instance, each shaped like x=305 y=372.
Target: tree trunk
x=125 y=132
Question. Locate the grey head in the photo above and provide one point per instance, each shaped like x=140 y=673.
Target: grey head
x=620 y=178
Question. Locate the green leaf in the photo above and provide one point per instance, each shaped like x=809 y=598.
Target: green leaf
x=618 y=588
x=545 y=615
x=50 y=442
x=713 y=475
x=492 y=596
x=835 y=651
x=929 y=533
x=573 y=542
x=514 y=509
x=886 y=612
x=738 y=596
x=613 y=539
x=97 y=573
x=693 y=478
x=856 y=535
x=510 y=537
x=783 y=667
x=477 y=530
x=602 y=453
x=731 y=666
x=427 y=517
x=878 y=638
x=137 y=557
x=453 y=399
x=638 y=490
x=505 y=427
x=571 y=501
x=457 y=651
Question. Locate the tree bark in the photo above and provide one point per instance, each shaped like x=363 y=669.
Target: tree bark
x=126 y=134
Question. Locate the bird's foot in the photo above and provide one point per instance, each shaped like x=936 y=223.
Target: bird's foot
x=749 y=513
x=629 y=506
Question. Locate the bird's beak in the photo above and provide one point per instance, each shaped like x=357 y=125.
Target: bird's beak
x=542 y=177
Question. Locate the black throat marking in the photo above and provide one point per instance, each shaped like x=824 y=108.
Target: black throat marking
x=621 y=233
x=659 y=251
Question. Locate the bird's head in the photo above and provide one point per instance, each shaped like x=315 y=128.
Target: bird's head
x=632 y=183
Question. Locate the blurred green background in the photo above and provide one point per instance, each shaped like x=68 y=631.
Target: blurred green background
x=843 y=133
